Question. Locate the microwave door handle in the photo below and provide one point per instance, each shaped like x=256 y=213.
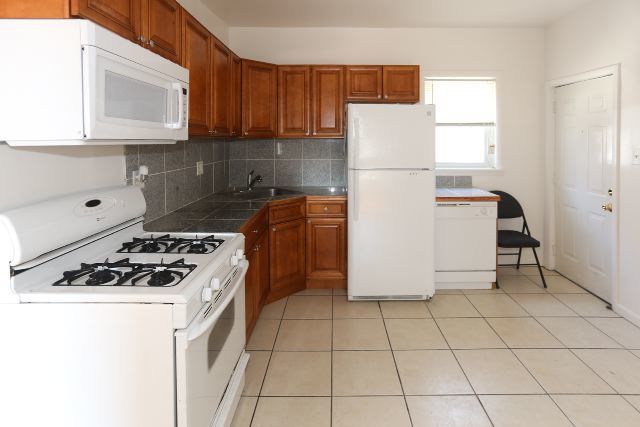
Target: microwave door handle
x=178 y=124
x=206 y=324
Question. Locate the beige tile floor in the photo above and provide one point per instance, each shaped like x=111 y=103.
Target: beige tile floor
x=517 y=356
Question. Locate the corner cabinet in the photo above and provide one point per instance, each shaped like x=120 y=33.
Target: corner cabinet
x=236 y=96
x=257 y=279
x=286 y=248
x=259 y=99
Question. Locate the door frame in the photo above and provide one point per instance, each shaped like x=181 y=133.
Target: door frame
x=551 y=167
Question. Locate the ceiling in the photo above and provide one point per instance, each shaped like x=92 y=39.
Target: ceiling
x=391 y=13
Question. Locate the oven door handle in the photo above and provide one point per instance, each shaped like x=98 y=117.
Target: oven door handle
x=204 y=324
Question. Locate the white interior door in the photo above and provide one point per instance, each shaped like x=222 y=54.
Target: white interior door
x=585 y=176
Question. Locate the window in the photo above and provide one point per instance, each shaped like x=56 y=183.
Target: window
x=465 y=122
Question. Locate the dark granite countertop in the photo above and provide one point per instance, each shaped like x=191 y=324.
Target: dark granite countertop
x=226 y=212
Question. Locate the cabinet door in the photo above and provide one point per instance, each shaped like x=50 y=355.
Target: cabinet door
x=221 y=88
x=363 y=83
x=162 y=27
x=401 y=83
x=293 y=101
x=263 y=273
x=326 y=248
x=196 y=56
x=259 y=99
x=236 y=95
x=252 y=289
x=286 y=255
x=120 y=16
x=327 y=100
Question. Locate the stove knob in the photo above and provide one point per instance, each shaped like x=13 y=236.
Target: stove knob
x=215 y=284
x=234 y=260
x=207 y=294
x=240 y=253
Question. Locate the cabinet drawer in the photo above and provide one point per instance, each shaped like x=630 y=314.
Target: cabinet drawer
x=287 y=211
x=326 y=208
x=255 y=227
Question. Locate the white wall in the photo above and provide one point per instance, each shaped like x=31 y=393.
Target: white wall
x=600 y=34
x=32 y=174
x=515 y=56
x=207 y=18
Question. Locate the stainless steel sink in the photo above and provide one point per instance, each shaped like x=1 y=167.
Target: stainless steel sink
x=262 y=192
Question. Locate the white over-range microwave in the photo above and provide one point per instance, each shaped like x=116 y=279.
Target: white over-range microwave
x=72 y=82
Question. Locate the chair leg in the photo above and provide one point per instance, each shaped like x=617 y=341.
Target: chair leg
x=519 y=256
x=539 y=268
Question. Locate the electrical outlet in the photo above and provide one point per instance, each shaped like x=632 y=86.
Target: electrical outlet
x=199 y=168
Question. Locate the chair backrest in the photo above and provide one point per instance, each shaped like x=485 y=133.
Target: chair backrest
x=508 y=206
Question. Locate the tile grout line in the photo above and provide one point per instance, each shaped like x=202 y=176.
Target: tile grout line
x=264 y=379
x=395 y=363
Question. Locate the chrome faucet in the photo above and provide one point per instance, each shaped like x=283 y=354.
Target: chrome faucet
x=251 y=181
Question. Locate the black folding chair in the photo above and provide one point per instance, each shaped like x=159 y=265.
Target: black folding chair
x=509 y=208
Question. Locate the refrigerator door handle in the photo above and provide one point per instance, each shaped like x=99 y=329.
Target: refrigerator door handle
x=356 y=142
x=356 y=209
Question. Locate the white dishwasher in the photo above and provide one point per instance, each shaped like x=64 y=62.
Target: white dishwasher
x=465 y=240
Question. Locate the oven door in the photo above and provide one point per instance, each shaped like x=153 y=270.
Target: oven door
x=207 y=352
x=127 y=100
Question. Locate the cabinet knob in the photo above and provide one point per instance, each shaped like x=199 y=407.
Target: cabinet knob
x=326 y=208
x=141 y=38
x=386 y=96
x=255 y=231
x=256 y=248
x=379 y=96
x=273 y=229
x=246 y=133
x=151 y=43
x=215 y=131
x=314 y=132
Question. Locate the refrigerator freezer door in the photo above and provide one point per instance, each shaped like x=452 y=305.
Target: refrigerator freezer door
x=391 y=136
x=391 y=234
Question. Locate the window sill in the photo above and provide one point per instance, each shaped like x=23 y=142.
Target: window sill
x=471 y=172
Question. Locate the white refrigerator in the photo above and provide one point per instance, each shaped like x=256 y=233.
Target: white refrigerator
x=391 y=187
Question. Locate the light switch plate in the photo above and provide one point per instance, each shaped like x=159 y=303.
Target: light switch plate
x=199 y=168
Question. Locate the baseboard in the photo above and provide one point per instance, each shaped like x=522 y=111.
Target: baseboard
x=627 y=314
x=327 y=283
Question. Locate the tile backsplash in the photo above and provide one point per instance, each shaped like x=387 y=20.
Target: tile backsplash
x=173 y=181
x=288 y=162
x=454 y=181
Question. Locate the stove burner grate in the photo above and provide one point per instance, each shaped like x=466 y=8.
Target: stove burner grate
x=168 y=244
x=126 y=273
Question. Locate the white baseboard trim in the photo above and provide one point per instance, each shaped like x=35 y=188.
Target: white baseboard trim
x=627 y=314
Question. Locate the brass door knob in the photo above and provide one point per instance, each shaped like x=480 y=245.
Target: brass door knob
x=607 y=208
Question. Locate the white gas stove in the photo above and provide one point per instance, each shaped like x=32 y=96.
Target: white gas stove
x=169 y=308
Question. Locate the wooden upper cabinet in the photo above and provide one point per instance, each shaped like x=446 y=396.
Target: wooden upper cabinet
x=294 y=101
x=220 y=88
x=196 y=57
x=119 y=16
x=236 y=95
x=259 y=99
x=162 y=28
x=401 y=83
x=327 y=101
x=363 y=83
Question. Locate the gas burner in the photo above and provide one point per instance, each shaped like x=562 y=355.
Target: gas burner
x=147 y=245
x=168 y=244
x=126 y=273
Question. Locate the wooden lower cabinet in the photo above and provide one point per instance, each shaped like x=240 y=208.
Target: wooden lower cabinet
x=326 y=255
x=257 y=280
x=287 y=258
